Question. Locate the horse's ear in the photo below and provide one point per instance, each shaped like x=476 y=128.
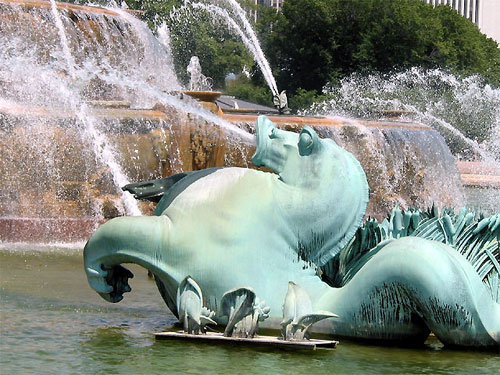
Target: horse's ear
x=308 y=141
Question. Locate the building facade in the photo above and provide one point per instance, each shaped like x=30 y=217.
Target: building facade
x=484 y=13
x=270 y=3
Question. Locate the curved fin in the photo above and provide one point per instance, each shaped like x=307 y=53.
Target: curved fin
x=206 y=320
x=236 y=304
x=306 y=321
x=188 y=284
x=155 y=190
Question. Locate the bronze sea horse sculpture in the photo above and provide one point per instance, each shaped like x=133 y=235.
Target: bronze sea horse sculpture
x=397 y=280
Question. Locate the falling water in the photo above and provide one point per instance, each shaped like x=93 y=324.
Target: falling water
x=242 y=28
x=106 y=156
x=164 y=38
x=101 y=146
x=64 y=40
x=62 y=154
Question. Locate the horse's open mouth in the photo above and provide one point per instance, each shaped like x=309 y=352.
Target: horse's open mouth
x=263 y=130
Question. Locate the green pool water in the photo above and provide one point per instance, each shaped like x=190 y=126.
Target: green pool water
x=53 y=323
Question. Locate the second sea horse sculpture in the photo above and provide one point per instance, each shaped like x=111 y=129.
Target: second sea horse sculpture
x=231 y=227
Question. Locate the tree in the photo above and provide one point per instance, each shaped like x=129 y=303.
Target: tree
x=335 y=38
x=243 y=88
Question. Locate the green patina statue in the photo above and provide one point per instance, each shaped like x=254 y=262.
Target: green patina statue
x=230 y=228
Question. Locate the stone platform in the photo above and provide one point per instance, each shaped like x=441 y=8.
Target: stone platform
x=269 y=341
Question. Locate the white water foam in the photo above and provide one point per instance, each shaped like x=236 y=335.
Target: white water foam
x=456 y=107
x=102 y=148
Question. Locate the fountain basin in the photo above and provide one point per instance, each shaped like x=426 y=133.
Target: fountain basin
x=204 y=96
x=479 y=174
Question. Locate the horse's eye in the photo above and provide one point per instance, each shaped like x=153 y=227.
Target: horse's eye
x=305 y=144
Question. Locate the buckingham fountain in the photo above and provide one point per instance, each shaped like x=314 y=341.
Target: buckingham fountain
x=108 y=103
x=281 y=206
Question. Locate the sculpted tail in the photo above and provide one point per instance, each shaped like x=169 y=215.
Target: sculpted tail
x=405 y=277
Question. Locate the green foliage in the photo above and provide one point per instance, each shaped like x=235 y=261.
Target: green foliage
x=467 y=50
x=303 y=99
x=335 y=38
x=243 y=88
x=154 y=11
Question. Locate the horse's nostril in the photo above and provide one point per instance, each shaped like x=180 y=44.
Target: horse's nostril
x=270 y=132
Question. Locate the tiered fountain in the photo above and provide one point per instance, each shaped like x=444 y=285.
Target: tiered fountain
x=90 y=102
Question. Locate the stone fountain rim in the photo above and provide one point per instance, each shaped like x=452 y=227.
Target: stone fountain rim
x=62 y=5
x=204 y=96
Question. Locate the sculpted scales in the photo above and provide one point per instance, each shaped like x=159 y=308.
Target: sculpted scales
x=229 y=228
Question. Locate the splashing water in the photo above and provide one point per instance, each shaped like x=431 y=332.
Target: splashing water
x=237 y=22
x=152 y=93
x=155 y=65
x=259 y=55
x=197 y=81
x=465 y=110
